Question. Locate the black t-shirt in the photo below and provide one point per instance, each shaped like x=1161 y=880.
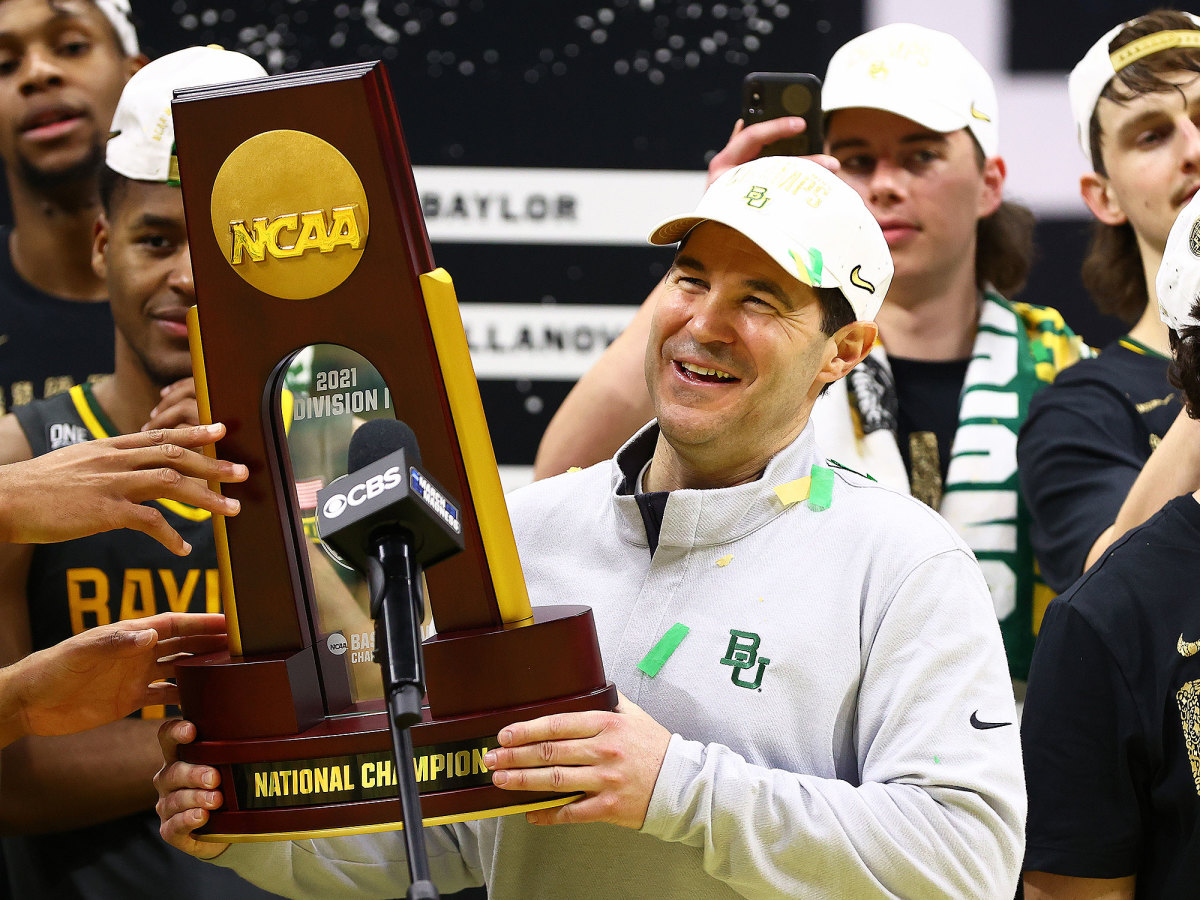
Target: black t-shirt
x=47 y=344
x=1111 y=728
x=1083 y=445
x=927 y=396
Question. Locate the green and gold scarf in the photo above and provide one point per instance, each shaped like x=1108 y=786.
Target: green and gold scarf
x=1018 y=349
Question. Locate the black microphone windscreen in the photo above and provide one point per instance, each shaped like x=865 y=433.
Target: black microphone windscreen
x=376 y=438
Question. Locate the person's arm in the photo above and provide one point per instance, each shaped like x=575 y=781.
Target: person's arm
x=55 y=783
x=101 y=675
x=1172 y=470
x=100 y=485
x=1044 y=886
x=610 y=402
x=926 y=777
x=50 y=783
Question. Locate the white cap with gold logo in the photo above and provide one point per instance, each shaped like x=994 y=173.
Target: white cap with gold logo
x=1178 y=280
x=1092 y=74
x=806 y=219
x=142 y=143
x=920 y=74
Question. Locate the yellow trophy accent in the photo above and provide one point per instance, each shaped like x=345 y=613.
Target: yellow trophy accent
x=224 y=566
x=479 y=459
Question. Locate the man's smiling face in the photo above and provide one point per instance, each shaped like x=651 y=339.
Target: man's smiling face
x=736 y=353
x=61 y=73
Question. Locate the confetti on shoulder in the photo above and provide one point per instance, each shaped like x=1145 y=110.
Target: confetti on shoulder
x=725 y=560
x=575 y=469
x=794 y=491
x=820 y=497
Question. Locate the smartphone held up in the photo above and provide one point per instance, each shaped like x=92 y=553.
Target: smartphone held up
x=773 y=95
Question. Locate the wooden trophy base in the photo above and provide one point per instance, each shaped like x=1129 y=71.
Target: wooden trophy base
x=338 y=777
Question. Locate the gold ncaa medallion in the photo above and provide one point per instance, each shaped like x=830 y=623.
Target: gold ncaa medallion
x=290 y=214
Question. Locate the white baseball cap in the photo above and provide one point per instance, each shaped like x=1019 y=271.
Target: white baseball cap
x=1092 y=74
x=806 y=219
x=118 y=14
x=142 y=143
x=1178 y=280
x=920 y=74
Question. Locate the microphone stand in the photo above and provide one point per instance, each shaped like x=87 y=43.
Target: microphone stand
x=394 y=579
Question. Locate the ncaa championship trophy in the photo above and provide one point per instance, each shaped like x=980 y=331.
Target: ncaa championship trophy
x=318 y=310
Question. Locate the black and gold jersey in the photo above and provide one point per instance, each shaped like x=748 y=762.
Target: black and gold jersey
x=77 y=585
x=1083 y=445
x=1111 y=731
x=117 y=575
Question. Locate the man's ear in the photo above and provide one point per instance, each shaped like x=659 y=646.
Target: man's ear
x=100 y=234
x=994 y=173
x=133 y=63
x=1098 y=194
x=851 y=344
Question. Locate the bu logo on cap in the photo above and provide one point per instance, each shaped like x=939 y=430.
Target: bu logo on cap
x=1194 y=238
x=757 y=197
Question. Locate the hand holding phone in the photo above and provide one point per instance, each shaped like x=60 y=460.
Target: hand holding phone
x=772 y=95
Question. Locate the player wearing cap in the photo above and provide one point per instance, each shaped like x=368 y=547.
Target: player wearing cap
x=93 y=790
x=1111 y=732
x=912 y=120
x=812 y=718
x=1085 y=453
x=62 y=67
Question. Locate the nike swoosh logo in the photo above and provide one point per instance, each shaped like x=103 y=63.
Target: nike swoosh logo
x=976 y=722
x=1187 y=648
x=857 y=280
x=978 y=115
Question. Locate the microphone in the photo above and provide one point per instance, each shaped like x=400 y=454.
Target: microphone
x=388 y=518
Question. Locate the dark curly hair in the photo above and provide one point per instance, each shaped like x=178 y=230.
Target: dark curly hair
x=1184 y=371
x=1112 y=268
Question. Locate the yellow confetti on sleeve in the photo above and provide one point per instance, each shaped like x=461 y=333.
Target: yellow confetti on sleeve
x=725 y=560
x=794 y=491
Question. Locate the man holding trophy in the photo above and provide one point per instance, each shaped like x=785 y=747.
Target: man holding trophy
x=813 y=678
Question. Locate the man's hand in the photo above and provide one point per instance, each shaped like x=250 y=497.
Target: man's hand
x=185 y=793
x=107 y=672
x=100 y=485
x=747 y=142
x=613 y=758
x=176 y=407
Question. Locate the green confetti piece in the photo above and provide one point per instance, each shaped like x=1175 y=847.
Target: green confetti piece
x=816 y=265
x=661 y=652
x=820 y=492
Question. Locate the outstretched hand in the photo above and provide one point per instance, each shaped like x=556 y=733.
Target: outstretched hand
x=613 y=758
x=105 y=673
x=747 y=143
x=97 y=486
